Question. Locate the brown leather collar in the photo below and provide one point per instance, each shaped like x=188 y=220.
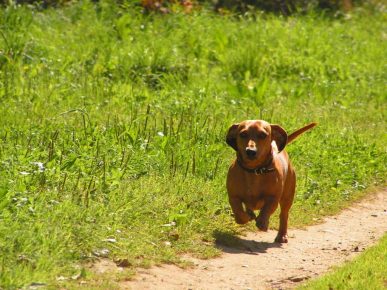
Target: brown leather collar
x=258 y=170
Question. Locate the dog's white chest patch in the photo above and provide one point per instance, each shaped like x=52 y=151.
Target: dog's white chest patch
x=284 y=164
x=274 y=146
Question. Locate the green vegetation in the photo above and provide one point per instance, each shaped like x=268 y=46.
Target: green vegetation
x=368 y=271
x=113 y=123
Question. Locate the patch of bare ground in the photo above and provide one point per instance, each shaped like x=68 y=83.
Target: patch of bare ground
x=256 y=262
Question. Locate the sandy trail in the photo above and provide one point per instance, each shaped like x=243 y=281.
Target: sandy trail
x=258 y=263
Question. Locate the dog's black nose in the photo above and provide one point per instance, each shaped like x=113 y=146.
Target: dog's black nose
x=251 y=152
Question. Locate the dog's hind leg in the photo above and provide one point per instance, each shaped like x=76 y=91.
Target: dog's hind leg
x=285 y=205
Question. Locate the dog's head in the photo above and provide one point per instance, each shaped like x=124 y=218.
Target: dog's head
x=252 y=139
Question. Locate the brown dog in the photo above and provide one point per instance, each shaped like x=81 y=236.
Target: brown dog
x=261 y=177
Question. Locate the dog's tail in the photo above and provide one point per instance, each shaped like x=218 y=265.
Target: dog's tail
x=295 y=134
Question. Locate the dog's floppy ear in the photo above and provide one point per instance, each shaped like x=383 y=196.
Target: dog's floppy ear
x=279 y=135
x=232 y=136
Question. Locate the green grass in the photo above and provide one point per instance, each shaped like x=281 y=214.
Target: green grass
x=113 y=125
x=368 y=271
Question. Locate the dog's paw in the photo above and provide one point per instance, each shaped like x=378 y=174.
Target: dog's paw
x=281 y=239
x=242 y=218
x=262 y=223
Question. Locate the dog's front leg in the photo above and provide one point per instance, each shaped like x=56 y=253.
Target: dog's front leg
x=262 y=221
x=241 y=217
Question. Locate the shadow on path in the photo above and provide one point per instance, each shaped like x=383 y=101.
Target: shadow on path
x=233 y=244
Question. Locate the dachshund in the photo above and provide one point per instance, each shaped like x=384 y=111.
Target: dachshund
x=261 y=176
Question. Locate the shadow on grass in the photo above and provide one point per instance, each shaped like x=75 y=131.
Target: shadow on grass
x=231 y=243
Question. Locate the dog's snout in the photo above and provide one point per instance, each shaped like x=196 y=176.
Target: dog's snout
x=251 y=152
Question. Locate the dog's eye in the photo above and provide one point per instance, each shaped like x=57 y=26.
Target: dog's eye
x=243 y=134
x=262 y=135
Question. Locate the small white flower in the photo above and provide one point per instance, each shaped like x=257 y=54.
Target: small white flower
x=110 y=240
x=171 y=224
x=40 y=165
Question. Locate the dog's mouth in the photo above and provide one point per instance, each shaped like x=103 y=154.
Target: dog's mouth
x=251 y=157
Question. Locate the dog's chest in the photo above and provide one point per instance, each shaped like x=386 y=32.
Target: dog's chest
x=252 y=188
x=257 y=186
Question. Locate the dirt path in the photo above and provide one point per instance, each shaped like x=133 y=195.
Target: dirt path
x=258 y=263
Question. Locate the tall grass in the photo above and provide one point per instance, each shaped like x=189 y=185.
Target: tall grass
x=112 y=126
